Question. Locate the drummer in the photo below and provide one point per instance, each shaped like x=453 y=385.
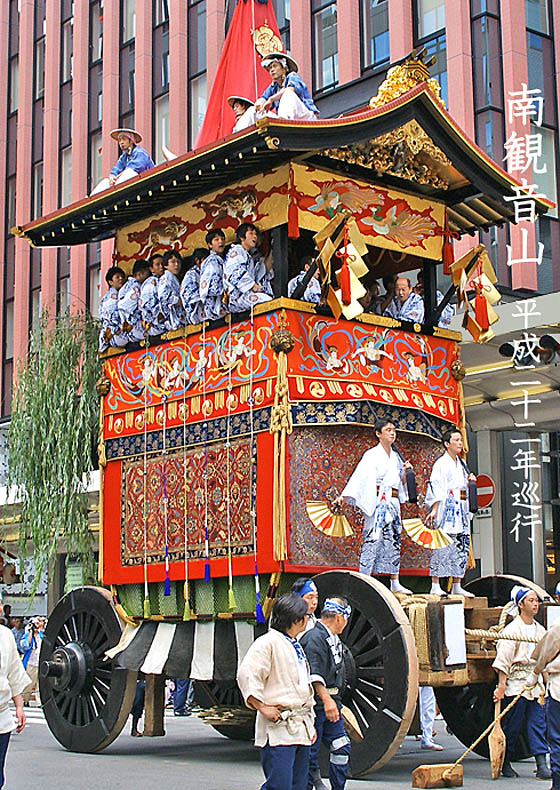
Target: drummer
x=244 y=111
x=287 y=96
x=133 y=160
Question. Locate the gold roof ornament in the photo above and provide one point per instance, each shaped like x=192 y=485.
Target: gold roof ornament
x=266 y=41
x=404 y=76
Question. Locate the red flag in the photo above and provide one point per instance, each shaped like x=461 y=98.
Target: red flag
x=239 y=71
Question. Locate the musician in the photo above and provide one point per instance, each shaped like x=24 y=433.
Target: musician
x=244 y=111
x=212 y=276
x=247 y=275
x=514 y=666
x=169 y=291
x=447 y=506
x=287 y=96
x=133 y=160
x=129 y=302
x=312 y=291
x=190 y=289
x=150 y=311
x=448 y=311
x=406 y=305
x=323 y=649
x=111 y=334
x=377 y=488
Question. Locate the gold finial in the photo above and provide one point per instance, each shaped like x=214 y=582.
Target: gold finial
x=404 y=76
x=266 y=41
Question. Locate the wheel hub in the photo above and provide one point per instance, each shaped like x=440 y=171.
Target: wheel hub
x=349 y=675
x=71 y=668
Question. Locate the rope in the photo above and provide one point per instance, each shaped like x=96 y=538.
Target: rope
x=205 y=463
x=252 y=465
x=166 y=584
x=495 y=635
x=187 y=614
x=147 y=612
x=232 y=606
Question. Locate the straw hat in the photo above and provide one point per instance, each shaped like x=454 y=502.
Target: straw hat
x=232 y=99
x=132 y=133
x=268 y=59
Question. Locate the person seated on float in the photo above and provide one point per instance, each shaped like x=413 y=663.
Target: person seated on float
x=129 y=302
x=244 y=111
x=190 y=289
x=111 y=334
x=150 y=311
x=133 y=160
x=406 y=305
x=169 y=292
x=371 y=301
x=287 y=96
x=247 y=274
x=312 y=291
x=212 y=276
x=448 y=311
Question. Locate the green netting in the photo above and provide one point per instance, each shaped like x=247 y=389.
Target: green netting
x=131 y=597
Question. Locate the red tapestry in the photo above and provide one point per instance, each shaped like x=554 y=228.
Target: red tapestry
x=215 y=462
x=322 y=458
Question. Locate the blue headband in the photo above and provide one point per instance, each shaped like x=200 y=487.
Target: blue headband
x=518 y=593
x=335 y=607
x=308 y=587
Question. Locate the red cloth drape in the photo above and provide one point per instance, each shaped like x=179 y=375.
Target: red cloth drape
x=235 y=75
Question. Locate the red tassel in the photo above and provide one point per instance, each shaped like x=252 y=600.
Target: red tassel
x=293 y=213
x=481 y=311
x=344 y=282
x=447 y=248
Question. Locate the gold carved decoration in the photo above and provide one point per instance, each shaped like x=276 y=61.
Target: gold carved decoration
x=406 y=152
x=404 y=76
x=266 y=41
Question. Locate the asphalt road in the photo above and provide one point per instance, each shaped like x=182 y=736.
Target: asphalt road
x=192 y=755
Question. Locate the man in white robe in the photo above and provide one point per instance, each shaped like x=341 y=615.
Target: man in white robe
x=169 y=292
x=110 y=334
x=212 y=276
x=447 y=505
x=129 y=302
x=247 y=275
x=150 y=311
x=406 y=305
x=377 y=488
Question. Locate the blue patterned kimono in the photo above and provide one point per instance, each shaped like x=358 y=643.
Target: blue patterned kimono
x=110 y=334
x=190 y=296
x=411 y=310
x=212 y=286
x=150 y=310
x=312 y=291
x=129 y=310
x=169 y=295
x=241 y=272
x=447 y=313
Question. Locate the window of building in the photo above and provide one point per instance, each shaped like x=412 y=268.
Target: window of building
x=161 y=127
x=541 y=73
x=63 y=280
x=14 y=80
x=282 y=13
x=536 y=16
x=547 y=180
x=96 y=32
x=487 y=62
x=37 y=191
x=9 y=331
x=66 y=176
x=375 y=24
x=197 y=65
x=95 y=172
x=430 y=17
x=438 y=71
x=161 y=11
x=198 y=103
x=128 y=20
x=39 y=68
x=93 y=293
x=11 y=202
x=67 y=50
x=126 y=81
x=325 y=45
x=160 y=58
x=35 y=292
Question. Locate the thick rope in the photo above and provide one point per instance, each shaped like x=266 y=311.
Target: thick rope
x=280 y=425
x=147 y=612
x=495 y=635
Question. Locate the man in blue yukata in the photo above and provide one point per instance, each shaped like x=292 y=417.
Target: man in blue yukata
x=133 y=160
x=212 y=276
x=169 y=292
x=190 y=289
x=111 y=334
x=448 y=311
x=150 y=311
x=287 y=96
x=247 y=275
x=312 y=291
x=129 y=302
x=406 y=305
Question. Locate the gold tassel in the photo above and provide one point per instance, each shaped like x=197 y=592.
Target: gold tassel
x=187 y=613
x=147 y=609
x=232 y=605
x=280 y=426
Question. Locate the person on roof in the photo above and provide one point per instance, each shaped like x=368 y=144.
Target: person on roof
x=133 y=160
x=244 y=111
x=287 y=96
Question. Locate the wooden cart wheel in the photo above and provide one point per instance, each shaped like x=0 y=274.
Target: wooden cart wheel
x=469 y=709
x=225 y=693
x=381 y=666
x=86 y=699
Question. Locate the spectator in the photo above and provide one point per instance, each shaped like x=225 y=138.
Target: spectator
x=31 y=647
x=18 y=631
x=13 y=680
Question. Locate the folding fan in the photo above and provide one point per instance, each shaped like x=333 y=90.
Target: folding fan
x=424 y=536
x=324 y=519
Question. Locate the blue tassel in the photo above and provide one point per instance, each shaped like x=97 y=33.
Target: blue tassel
x=206 y=571
x=259 y=613
x=167 y=586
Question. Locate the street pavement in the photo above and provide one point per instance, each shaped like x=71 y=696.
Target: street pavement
x=192 y=755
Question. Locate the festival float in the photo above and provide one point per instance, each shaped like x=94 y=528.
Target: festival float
x=222 y=446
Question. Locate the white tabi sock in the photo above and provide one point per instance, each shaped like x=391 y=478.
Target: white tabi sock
x=436 y=589
x=458 y=590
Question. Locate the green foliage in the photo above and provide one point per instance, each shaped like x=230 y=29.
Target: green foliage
x=53 y=427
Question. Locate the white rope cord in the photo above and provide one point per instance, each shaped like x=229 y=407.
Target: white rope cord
x=145 y=501
x=231 y=602
x=252 y=465
x=185 y=509
x=166 y=590
x=205 y=461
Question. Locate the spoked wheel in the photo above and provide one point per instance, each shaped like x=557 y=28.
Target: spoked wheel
x=380 y=667
x=469 y=709
x=226 y=694
x=86 y=699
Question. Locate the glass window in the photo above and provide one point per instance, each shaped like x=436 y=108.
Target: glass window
x=95 y=159
x=128 y=20
x=487 y=62
x=161 y=123
x=67 y=50
x=431 y=16
x=541 y=73
x=9 y=331
x=439 y=69
x=14 y=76
x=376 y=32
x=96 y=32
x=11 y=202
x=282 y=13
x=161 y=11
x=66 y=176
x=94 y=287
x=485 y=7
x=39 y=68
x=489 y=134
x=127 y=80
x=545 y=277
x=37 y=206
x=36 y=311
x=160 y=56
x=536 y=15
x=547 y=181
x=198 y=103
x=197 y=37
x=325 y=46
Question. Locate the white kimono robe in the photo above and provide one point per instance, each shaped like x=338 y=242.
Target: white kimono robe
x=190 y=296
x=242 y=271
x=447 y=480
x=270 y=672
x=312 y=291
x=514 y=658
x=110 y=334
x=169 y=295
x=13 y=678
x=212 y=286
x=370 y=489
x=150 y=310
x=129 y=310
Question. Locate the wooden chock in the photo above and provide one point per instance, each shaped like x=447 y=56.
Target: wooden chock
x=443 y=775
